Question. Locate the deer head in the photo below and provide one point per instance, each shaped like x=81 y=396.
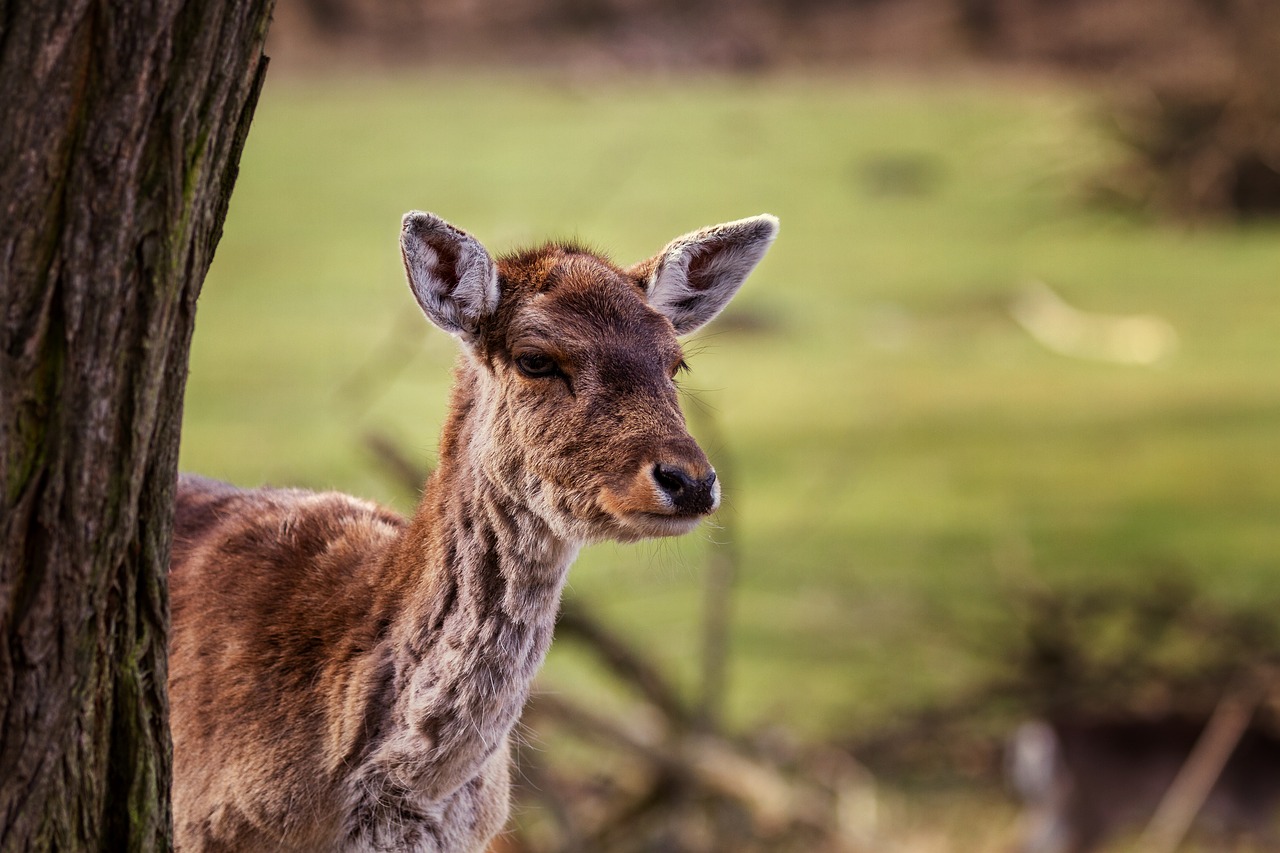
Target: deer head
x=566 y=395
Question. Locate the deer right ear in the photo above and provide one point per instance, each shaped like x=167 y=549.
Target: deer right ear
x=451 y=274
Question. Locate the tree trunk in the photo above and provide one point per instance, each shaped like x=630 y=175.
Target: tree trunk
x=121 y=126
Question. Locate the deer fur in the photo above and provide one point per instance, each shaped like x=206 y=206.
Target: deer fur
x=343 y=679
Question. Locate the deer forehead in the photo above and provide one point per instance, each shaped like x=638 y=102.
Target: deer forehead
x=585 y=310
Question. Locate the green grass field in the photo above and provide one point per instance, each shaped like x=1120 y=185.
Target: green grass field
x=905 y=456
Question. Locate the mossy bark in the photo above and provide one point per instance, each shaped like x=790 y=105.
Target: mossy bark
x=121 y=126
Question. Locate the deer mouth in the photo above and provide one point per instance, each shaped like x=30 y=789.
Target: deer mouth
x=645 y=525
x=662 y=499
x=651 y=517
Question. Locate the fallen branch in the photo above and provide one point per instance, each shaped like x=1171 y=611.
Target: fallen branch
x=1191 y=787
x=578 y=623
x=775 y=801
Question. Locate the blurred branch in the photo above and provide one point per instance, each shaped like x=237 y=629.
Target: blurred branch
x=394 y=462
x=395 y=352
x=713 y=763
x=537 y=783
x=1190 y=789
x=576 y=622
x=721 y=578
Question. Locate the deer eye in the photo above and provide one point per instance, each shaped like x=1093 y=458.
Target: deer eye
x=536 y=365
x=680 y=367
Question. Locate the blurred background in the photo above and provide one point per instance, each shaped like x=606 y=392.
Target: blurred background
x=998 y=417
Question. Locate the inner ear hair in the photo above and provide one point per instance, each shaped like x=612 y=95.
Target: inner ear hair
x=696 y=275
x=451 y=274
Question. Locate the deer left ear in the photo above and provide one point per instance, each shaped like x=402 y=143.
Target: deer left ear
x=696 y=275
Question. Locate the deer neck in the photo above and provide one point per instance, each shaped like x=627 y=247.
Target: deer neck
x=484 y=575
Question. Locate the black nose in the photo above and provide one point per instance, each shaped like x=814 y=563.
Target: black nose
x=689 y=495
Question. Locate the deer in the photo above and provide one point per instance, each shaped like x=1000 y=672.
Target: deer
x=344 y=679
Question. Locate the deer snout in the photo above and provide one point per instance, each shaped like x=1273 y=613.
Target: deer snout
x=690 y=491
x=666 y=496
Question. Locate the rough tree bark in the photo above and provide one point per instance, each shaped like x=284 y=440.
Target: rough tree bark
x=121 y=126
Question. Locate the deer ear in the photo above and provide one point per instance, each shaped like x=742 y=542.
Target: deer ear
x=451 y=274
x=696 y=275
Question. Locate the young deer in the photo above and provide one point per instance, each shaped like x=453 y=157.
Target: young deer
x=342 y=679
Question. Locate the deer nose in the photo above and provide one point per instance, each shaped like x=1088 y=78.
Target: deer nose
x=689 y=494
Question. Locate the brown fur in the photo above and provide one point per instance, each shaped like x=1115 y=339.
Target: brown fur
x=342 y=679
